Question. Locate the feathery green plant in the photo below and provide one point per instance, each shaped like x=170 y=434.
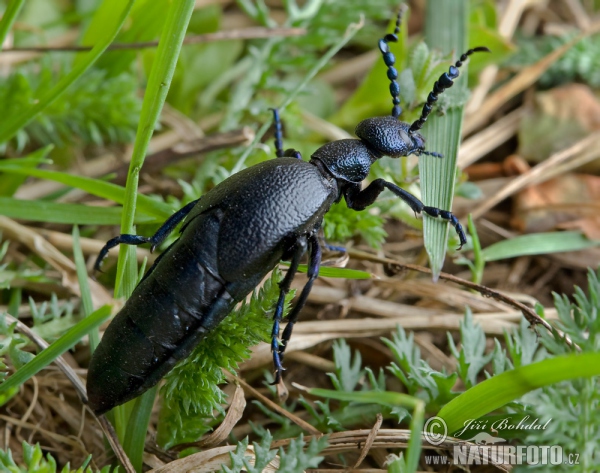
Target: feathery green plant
x=34 y=460
x=97 y=109
x=572 y=405
x=298 y=457
x=191 y=392
x=578 y=64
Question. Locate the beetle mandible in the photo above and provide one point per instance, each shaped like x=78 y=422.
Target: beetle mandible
x=238 y=232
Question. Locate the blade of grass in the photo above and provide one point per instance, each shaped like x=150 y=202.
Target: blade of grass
x=498 y=391
x=159 y=81
x=372 y=97
x=10 y=184
x=9 y=17
x=13 y=125
x=478 y=257
x=64 y=343
x=71 y=214
x=538 y=244
x=446 y=29
x=97 y=187
x=140 y=415
x=345 y=273
x=86 y=295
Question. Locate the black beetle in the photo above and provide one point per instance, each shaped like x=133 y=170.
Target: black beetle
x=238 y=232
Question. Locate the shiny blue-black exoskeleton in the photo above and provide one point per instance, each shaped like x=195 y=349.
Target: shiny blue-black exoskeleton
x=238 y=232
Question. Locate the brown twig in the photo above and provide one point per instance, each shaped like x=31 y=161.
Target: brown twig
x=524 y=79
x=113 y=440
x=220 y=434
x=38 y=245
x=527 y=312
x=579 y=153
x=369 y=442
x=350 y=440
x=60 y=362
x=246 y=33
x=275 y=407
x=157 y=161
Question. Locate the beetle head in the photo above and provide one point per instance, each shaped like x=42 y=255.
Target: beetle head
x=387 y=136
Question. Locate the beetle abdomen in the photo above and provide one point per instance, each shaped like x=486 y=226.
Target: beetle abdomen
x=159 y=326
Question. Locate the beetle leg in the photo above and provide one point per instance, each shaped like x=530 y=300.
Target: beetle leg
x=284 y=288
x=163 y=232
x=167 y=228
x=279 y=152
x=278 y=133
x=292 y=153
x=313 y=271
x=327 y=246
x=358 y=199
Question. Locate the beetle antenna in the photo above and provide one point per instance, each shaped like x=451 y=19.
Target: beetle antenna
x=435 y=154
x=390 y=60
x=444 y=82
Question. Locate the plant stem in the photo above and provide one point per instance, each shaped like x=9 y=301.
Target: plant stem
x=9 y=17
x=478 y=256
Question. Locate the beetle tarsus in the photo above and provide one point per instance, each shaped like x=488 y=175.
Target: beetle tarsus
x=161 y=234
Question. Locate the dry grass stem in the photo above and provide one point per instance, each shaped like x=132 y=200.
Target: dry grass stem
x=250 y=391
x=584 y=151
x=38 y=245
x=220 y=434
x=488 y=139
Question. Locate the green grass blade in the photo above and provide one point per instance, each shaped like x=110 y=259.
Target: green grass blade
x=372 y=97
x=443 y=133
x=71 y=214
x=9 y=184
x=498 y=391
x=384 y=398
x=86 y=295
x=96 y=187
x=9 y=17
x=329 y=272
x=140 y=415
x=161 y=75
x=352 y=29
x=538 y=244
x=16 y=123
x=64 y=343
x=478 y=257
x=159 y=81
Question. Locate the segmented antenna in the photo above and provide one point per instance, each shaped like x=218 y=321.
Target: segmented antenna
x=390 y=60
x=444 y=82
